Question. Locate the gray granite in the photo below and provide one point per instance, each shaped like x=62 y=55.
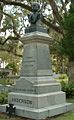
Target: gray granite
x=36 y=61
x=37 y=100
x=41 y=113
x=36 y=86
x=36 y=94
x=34 y=28
x=36 y=37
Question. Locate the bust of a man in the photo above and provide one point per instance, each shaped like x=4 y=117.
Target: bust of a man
x=35 y=19
x=35 y=16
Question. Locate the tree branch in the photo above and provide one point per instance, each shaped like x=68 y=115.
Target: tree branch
x=14 y=27
x=1 y=15
x=55 y=10
x=64 y=6
x=9 y=38
x=3 y=49
x=17 y=4
x=54 y=27
x=14 y=30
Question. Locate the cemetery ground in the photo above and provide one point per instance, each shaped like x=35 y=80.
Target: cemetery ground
x=65 y=116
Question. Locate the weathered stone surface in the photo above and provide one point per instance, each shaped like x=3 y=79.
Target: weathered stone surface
x=37 y=36
x=34 y=28
x=36 y=61
x=35 y=85
x=36 y=94
x=37 y=100
x=40 y=113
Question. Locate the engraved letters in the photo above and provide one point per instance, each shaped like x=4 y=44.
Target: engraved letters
x=21 y=101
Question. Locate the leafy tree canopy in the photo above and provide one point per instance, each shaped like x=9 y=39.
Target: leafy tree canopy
x=67 y=43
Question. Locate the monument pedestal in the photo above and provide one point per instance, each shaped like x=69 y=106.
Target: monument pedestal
x=36 y=94
x=39 y=100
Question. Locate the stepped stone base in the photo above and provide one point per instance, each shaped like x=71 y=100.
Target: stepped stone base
x=36 y=94
x=40 y=113
x=38 y=100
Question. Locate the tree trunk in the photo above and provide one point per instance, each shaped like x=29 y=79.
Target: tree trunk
x=1 y=10
x=71 y=71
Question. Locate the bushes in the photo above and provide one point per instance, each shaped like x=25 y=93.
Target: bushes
x=6 y=81
x=3 y=97
x=63 y=76
x=68 y=88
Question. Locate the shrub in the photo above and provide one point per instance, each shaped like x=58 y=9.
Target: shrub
x=3 y=97
x=63 y=76
x=6 y=81
x=68 y=88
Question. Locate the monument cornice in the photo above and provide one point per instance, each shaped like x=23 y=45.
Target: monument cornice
x=36 y=36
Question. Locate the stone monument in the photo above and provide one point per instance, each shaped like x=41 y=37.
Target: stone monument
x=36 y=94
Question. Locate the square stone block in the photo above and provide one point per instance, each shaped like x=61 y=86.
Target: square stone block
x=36 y=101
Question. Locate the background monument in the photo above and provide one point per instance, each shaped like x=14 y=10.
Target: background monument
x=36 y=94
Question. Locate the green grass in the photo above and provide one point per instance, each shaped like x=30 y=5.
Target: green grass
x=70 y=100
x=67 y=116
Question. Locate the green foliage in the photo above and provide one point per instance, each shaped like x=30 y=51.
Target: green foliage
x=12 y=66
x=3 y=74
x=67 y=43
x=7 y=81
x=67 y=116
x=63 y=76
x=11 y=59
x=7 y=23
x=3 y=97
x=68 y=88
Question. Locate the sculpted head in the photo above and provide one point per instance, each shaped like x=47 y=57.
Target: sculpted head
x=35 y=16
x=35 y=7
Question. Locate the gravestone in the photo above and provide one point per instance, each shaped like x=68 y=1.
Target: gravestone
x=36 y=94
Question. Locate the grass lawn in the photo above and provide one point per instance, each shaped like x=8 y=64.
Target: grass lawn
x=66 y=116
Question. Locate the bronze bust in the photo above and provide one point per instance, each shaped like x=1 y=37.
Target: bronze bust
x=35 y=20
x=35 y=16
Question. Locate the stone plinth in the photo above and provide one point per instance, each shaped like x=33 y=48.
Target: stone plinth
x=36 y=56
x=36 y=94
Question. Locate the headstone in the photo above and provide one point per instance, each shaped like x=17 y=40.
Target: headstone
x=36 y=94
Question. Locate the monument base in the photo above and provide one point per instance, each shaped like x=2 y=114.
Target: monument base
x=40 y=113
x=36 y=94
x=37 y=99
x=43 y=112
